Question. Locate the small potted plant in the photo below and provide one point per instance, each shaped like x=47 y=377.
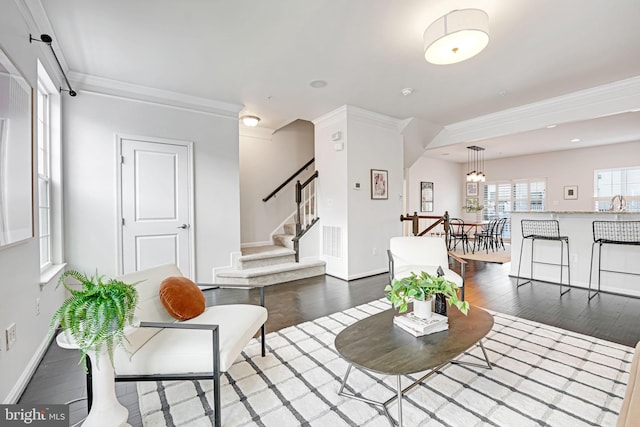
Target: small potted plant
x=423 y=288
x=96 y=313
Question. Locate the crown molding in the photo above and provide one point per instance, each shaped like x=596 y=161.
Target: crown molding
x=375 y=119
x=339 y=114
x=599 y=101
x=153 y=95
x=257 y=132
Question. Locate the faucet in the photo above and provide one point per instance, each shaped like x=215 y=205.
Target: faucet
x=618 y=203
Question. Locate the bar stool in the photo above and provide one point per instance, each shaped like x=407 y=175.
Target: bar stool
x=544 y=230
x=612 y=233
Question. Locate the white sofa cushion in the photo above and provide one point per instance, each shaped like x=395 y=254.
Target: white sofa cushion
x=190 y=351
x=149 y=307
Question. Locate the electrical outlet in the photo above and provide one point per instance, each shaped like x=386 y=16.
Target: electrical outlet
x=11 y=336
x=375 y=251
x=37 y=306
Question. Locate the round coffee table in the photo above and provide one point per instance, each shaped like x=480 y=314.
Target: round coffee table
x=375 y=344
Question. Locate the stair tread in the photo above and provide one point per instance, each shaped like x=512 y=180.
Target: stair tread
x=262 y=252
x=270 y=269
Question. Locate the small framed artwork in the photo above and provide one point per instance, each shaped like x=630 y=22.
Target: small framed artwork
x=571 y=192
x=472 y=189
x=379 y=184
x=426 y=197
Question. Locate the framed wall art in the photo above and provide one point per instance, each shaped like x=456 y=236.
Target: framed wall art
x=426 y=197
x=379 y=184
x=571 y=192
x=472 y=189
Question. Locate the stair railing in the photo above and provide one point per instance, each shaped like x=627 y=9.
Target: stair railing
x=306 y=209
x=288 y=180
x=415 y=224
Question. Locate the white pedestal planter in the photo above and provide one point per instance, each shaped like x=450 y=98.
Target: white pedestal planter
x=422 y=309
x=105 y=411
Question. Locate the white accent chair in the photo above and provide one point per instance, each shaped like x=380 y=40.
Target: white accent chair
x=630 y=410
x=409 y=254
x=163 y=348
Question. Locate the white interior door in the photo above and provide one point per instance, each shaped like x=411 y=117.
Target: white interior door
x=156 y=205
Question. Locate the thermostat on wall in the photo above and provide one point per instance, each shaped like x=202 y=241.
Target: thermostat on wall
x=336 y=136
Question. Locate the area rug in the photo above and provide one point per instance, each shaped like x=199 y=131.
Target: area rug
x=499 y=256
x=542 y=376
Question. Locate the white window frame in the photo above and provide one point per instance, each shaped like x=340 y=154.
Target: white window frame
x=44 y=176
x=625 y=191
x=54 y=171
x=511 y=201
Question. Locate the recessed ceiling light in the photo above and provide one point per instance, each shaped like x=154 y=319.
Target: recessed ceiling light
x=551 y=126
x=317 y=84
x=407 y=91
x=576 y=140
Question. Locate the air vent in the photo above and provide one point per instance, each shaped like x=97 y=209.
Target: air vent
x=332 y=241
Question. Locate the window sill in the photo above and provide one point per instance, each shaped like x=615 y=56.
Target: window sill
x=47 y=275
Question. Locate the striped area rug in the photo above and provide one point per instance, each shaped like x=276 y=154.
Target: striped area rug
x=542 y=376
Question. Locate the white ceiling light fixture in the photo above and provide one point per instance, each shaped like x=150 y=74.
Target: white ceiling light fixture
x=456 y=36
x=250 y=121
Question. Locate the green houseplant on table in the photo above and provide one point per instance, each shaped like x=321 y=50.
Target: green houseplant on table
x=96 y=313
x=422 y=288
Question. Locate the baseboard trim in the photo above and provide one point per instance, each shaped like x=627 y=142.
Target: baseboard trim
x=20 y=385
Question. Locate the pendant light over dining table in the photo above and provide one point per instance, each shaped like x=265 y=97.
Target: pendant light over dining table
x=475 y=164
x=456 y=36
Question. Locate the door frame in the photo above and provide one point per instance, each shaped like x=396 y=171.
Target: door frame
x=190 y=182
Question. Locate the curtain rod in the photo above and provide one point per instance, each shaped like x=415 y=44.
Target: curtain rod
x=46 y=39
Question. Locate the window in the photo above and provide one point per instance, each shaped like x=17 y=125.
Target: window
x=501 y=198
x=44 y=177
x=609 y=183
x=49 y=185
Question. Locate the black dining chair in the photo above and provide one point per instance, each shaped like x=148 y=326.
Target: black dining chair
x=458 y=234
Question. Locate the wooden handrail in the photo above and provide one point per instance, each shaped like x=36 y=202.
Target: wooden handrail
x=415 y=228
x=288 y=180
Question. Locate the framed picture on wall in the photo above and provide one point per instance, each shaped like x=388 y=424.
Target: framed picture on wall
x=472 y=189
x=571 y=192
x=379 y=184
x=426 y=197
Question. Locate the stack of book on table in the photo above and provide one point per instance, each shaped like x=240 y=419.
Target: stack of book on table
x=419 y=327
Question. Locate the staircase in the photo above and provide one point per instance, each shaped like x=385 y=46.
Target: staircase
x=268 y=265
x=279 y=262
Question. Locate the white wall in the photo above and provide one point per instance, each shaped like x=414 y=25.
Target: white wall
x=570 y=167
x=370 y=141
x=266 y=160
x=19 y=263
x=91 y=122
x=447 y=187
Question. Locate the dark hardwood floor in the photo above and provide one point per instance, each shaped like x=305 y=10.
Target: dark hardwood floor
x=59 y=379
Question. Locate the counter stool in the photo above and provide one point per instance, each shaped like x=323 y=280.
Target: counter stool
x=544 y=230
x=612 y=233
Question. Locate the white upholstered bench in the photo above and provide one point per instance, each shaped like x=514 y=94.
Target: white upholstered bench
x=163 y=348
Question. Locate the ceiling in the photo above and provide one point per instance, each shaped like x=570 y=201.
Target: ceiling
x=264 y=55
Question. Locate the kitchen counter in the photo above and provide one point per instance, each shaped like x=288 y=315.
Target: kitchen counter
x=578 y=225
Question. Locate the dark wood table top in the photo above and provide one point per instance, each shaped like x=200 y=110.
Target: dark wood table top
x=376 y=344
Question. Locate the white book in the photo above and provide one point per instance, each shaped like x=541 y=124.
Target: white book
x=419 y=324
x=437 y=328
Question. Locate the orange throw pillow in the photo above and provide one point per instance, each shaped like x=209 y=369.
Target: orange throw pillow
x=182 y=298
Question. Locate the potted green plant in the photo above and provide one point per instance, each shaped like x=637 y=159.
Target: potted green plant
x=423 y=288
x=96 y=313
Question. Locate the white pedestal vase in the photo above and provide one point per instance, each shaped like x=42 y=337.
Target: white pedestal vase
x=422 y=308
x=105 y=411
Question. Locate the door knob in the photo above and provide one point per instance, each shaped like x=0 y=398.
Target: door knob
x=183 y=226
